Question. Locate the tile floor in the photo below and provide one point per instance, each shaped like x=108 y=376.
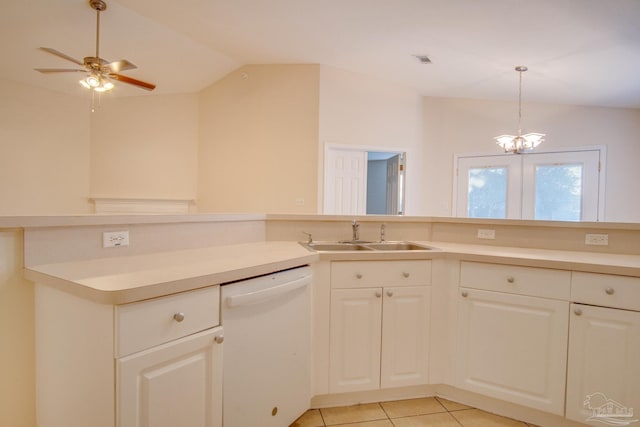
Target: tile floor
x=423 y=412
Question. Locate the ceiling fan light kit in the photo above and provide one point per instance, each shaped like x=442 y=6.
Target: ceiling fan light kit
x=99 y=72
x=519 y=143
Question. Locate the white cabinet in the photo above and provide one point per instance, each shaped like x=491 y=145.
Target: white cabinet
x=604 y=348
x=379 y=335
x=512 y=346
x=153 y=363
x=174 y=384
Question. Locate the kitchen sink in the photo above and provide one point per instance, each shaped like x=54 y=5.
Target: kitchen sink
x=336 y=246
x=365 y=246
x=398 y=246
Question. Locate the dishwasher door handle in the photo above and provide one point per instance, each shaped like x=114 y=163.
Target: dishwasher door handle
x=262 y=295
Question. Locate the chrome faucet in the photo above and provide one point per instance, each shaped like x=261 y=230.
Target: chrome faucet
x=356 y=230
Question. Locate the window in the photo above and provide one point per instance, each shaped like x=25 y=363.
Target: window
x=558 y=186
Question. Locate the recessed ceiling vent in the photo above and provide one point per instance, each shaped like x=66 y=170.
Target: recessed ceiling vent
x=424 y=59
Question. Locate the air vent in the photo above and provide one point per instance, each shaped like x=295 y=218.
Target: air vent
x=424 y=59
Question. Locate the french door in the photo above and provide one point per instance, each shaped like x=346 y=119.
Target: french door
x=559 y=186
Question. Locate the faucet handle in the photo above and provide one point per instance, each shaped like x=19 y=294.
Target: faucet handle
x=309 y=237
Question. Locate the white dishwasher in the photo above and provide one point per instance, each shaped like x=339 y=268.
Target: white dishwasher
x=267 y=369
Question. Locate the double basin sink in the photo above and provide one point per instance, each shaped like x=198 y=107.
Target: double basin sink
x=365 y=246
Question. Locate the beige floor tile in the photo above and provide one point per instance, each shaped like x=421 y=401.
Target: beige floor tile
x=432 y=420
x=478 y=418
x=410 y=407
x=311 y=418
x=352 y=414
x=378 y=423
x=452 y=406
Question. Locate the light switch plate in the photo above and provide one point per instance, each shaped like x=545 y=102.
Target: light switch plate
x=486 y=234
x=112 y=239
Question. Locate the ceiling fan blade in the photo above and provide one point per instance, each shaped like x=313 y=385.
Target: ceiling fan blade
x=61 y=55
x=58 y=70
x=121 y=65
x=132 y=81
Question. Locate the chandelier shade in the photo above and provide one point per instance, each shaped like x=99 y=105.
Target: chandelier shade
x=519 y=143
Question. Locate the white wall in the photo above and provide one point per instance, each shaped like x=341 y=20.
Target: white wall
x=44 y=151
x=362 y=111
x=145 y=147
x=458 y=126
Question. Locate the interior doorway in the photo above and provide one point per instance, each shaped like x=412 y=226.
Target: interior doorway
x=364 y=181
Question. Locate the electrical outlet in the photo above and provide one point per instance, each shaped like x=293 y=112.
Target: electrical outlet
x=596 y=239
x=486 y=234
x=111 y=239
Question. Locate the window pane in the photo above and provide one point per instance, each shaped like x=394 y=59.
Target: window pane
x=559 y=192
x=487 y=193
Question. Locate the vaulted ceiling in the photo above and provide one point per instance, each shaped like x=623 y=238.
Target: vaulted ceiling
x=584 y=52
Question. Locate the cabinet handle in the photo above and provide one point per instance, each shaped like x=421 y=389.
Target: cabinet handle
x=578 y=312
x=389 y=293
x=219 y=339
x=378 y=294
x=465 y=294
x=511 y=279
x=610 y=291
x=405 y=274
x=358 y=276
x=178 y=317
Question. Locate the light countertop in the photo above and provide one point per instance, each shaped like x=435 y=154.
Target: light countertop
x=126 y=279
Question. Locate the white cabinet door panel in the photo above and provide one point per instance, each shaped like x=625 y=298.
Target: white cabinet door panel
x=604 y=361
x=513 y=347
x=356 y=316
x=405 y=336
x=174 y=384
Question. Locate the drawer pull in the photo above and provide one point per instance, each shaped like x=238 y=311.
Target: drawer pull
x=405 y=274
x=358 y=276
x=578 y=312
x=511 y=279
x=465 y=294
x=610 y=291
x=378 y=294
x=219 y=339
x=389 y=293
x=178 y=317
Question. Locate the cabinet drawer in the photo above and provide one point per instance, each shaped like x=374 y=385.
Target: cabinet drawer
x=532 y=281
x=145 y=324
x=606 y=290
x=363 y=274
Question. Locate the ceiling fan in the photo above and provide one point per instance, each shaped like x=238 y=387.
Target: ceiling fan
x=99 y=71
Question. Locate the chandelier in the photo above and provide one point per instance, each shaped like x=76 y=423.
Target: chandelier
x=519 y=143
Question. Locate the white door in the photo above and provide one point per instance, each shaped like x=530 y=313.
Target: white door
x=604 y=362
x=174 y=384
x=513 y=348
x=355 y=330
x=486 y=186
x=561 y=186
x=393 y=174
x=405 y=336
x=345 y=182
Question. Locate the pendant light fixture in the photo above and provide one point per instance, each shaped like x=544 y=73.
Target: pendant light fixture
x=519 y=143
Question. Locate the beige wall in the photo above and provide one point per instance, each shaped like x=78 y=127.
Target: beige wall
x=44 y=151
x=459 y=126
x=362 y=111
x=145 y=147
x=17 y=335
x=258 y=140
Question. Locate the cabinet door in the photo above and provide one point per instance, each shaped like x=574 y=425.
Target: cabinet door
x=174 y=384
x=513 y=347
x=354 y=359
x=405 y=336
x=604 y=363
